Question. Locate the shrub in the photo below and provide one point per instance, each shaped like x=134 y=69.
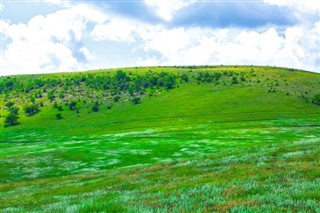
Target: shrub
x=32 y=99
x=316 y=99
x=169 y=82
x=59 y=116
x=234 y=80
x=136 y=100
x=73 y=105
x=9 y=104
x=184 y=77
x=116 y=98
x=31 y=109
x=95 y=107
x=14 y=110
x=11 y=119
x=51 y=95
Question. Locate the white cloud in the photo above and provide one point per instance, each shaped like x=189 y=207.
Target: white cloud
x=55 y=42
x=115 y=30
x=50 y=43
x=166 y=9
x=61 y=3
x=302 y=10
x=296 y=48
x=124 y=30
x=311 y=5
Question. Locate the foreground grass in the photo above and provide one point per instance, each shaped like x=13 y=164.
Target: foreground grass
x=251 y=177
x=261 y=166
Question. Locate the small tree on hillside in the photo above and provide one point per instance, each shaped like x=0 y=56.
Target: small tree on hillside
x=73 y=105
x=14 y=110
x=116 y=98
x=59 y=116
x=32 y=99
x=234 y=80
x=136 y=100
x=11 y=119
x=95 y=107
x=51 y=95
x=9 y=104
x=316 y=99
x=31 y=109
x=169 y=82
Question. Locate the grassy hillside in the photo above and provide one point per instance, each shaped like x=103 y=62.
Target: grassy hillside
x=178 y=139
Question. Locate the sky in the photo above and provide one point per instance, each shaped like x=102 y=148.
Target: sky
x=69 y=35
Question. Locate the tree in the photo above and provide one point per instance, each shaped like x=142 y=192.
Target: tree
x=11 y=119
x=9 y=104
x=59 y=116
x=169 y=82
x=185 y=77
x=73 y=105
x=31 y=109
x=116 y=98
x=95 y=107
x=316 y=99
x=32 y=99
x=14 y=109
x=51 y=95
x=120 y=75
x=61 y=95
x=136 y=100
x=234 y=80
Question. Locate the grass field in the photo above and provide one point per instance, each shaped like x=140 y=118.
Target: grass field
x=201 y=146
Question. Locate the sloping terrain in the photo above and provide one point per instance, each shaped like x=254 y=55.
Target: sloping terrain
x=159 y=139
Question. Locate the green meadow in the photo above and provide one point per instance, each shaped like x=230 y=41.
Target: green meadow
x=161 y=139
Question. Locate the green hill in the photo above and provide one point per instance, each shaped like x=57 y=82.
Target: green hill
x=161 y=139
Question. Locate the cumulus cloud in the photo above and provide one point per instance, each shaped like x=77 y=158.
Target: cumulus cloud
x=115 y=30
x=60 y=3
x=304 y=11
x=71 y=38
x=295 y=47
x=306 y=5
x=166 y=9
x=50 y=43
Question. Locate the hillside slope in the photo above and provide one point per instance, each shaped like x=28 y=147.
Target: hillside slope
x=186 y=139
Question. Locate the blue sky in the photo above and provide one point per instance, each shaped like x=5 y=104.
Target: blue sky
x=56 y=35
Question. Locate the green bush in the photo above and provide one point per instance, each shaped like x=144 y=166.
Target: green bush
x=9 y=104
x=32 y=99
x=11 y=119
x=59 y=116
x=31 y=109
x=316 y=99
x=51 y=95
x=136 y=100
x=73 y=105
x=14 y=109
x=95 y=107
x=116 y=98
